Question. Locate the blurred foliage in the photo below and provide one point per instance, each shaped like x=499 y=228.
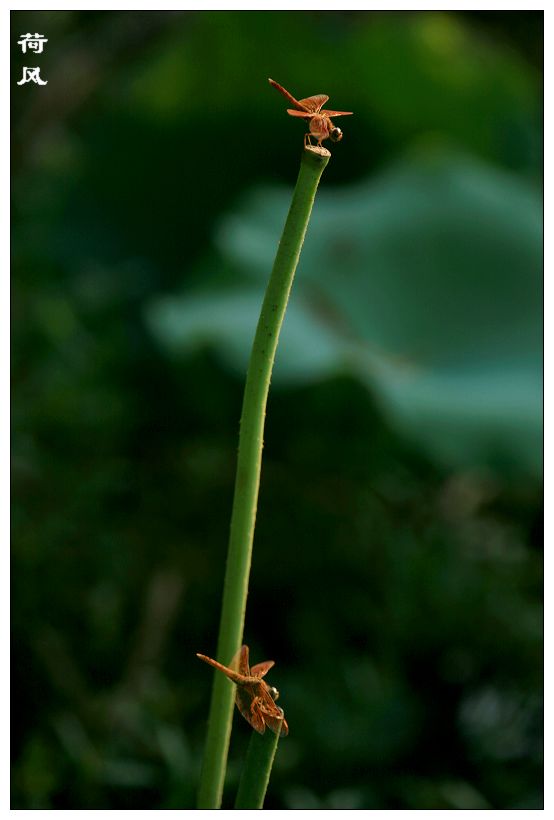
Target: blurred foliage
x=456 y=360
x=397 y=569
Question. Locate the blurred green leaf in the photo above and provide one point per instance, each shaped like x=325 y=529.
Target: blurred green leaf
x=399 y=283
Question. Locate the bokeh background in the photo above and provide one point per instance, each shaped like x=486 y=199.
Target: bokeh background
x=397 y=567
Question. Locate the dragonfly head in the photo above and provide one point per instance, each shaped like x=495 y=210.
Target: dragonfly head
x=335 y=134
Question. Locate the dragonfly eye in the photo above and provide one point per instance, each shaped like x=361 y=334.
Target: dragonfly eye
x=273 y=692
x=336 y=134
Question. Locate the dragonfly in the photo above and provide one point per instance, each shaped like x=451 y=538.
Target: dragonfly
x=321 y=124
x=254 y=698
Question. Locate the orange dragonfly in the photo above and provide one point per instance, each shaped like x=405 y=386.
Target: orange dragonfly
x=321 y=124
x=254 y=698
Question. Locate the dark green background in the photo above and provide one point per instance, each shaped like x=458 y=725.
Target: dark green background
x=397 y=567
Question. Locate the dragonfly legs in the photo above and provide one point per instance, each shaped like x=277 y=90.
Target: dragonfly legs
x=308 y=140
x=258 y=704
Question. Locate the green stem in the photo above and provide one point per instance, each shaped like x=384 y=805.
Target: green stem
x=256 y=771
x=247 y=478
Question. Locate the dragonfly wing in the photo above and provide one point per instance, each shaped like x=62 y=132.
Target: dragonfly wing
x=253 y=716
x=335 y=113
x=314 y=103
x=272 y=714
x=261 y=669
x=294 y=113
x=277 y=724
x=240 y=661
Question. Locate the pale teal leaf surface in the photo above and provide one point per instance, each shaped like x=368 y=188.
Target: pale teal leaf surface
x=425 y=282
